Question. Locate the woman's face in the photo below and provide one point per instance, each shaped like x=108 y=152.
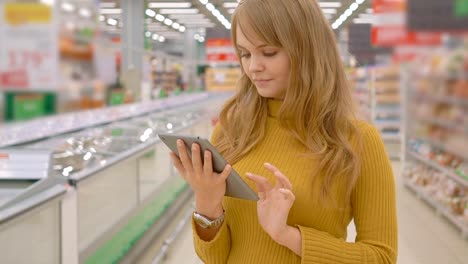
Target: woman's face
x=266 y=66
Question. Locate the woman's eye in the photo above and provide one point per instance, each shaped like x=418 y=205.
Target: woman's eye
x=245 y=55
x=269 y=54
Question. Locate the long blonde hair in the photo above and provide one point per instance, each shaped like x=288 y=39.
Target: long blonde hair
x=317 y=107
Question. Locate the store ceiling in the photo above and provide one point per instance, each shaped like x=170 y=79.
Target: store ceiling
x=170 y=18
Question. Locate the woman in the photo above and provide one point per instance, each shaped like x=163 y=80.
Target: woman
x=290 y=132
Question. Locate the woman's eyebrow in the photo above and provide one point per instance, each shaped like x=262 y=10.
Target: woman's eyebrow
x=259 y=46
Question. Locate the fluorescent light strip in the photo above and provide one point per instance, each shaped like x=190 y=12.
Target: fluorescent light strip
x=110 y=11
x=210 y=7
x=169 y=5
x=347 y=13
x=329 y=10
x=330 y=4
x=363 y=21
x=166 y=21
x=107 y=5
x=230 y=4
x=178 y=11
x=68 y=7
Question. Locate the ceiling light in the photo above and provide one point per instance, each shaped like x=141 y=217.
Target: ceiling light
x=348 y=12
x=216 y=13
x=329 y=10
x=168 y=22
x=353 y=6
x=102 y=18
x=112 y=22
x=148 y=34
x=204 y=2
x=169 y=5
x=176 y=25
x=210 y=7
x=48 y=2
x=360 y=1
x=107 y=5
x=179 y=11
x=150 y=12
x=202 y=39
x=111 y=11
x=363 y=21
x=330 y=4
x=68 y=7
x=197 y=37
x=161 y=39
x=182 y=29
x=230 y=4
x=155 y=36
x=160 y=18
x=85 y=12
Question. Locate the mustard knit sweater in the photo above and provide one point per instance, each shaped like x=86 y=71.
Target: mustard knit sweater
x=323 y=226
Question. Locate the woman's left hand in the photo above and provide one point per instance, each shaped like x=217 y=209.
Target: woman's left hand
x=274 y=203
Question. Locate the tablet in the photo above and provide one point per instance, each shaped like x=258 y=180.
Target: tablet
x=235 y=186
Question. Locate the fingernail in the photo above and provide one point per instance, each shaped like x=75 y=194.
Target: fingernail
x=207 y=154
x=194 y=146
x=248 y=174
x=267 y=164
x=228 y=167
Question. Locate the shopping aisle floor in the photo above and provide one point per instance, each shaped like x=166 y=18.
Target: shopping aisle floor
x=424 y=237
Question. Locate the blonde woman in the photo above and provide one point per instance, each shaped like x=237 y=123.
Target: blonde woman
x=290 y=132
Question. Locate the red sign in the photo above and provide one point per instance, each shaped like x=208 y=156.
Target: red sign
x=220 y=50
x=388 y=32
x=398 y=35
x=14 y=79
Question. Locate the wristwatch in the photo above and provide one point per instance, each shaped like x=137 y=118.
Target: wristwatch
x=207 y=223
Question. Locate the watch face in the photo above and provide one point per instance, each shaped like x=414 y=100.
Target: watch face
x=201 y=220
x=204 y=222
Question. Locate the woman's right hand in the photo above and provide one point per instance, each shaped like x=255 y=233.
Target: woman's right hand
x=208 y=186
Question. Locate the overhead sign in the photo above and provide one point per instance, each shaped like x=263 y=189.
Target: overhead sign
x=28 y=50
x=438 y=15
x=390 y=27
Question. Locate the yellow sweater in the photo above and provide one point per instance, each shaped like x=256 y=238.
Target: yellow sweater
x=323 y=227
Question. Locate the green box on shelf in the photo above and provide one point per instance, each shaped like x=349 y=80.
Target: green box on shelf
x=116 y=97
x=461 y=8
x=20 y=106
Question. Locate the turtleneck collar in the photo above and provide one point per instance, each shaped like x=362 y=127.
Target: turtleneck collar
x=273 y=107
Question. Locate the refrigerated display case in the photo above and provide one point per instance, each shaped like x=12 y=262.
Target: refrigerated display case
x=110 y=179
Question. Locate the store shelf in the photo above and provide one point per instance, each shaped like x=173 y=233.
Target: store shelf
x=452 y=100
x=382 y=124
x=444 y=123
x=440 y=168
x=440 y=209
x=392 y=137
x=439 y=144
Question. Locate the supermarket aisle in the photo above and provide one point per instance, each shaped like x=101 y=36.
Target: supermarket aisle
x=424 y=237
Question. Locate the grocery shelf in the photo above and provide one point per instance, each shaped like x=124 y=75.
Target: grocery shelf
x=391 y=137
x=440 y=168
x=453 y=100
x=387 y=123
x=444 y=123
x=440 y=209
x=439 y=144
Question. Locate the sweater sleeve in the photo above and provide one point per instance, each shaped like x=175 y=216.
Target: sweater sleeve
x=374 y=209
x=217 y=250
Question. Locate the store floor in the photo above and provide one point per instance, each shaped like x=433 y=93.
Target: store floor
x=424 y=237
